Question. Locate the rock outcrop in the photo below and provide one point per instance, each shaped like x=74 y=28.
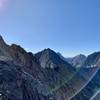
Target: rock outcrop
x=15 y=84
x=57 y=71
x=54 y=73
x=93 y=60
x=45 y=75
x=90 y=89
x=76 y=61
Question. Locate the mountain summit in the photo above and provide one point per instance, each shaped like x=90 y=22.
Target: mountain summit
x=50 y=59
x=93 y=59
x=2 y=42
x=45 y=75
x=76 y=61
x=46 y=67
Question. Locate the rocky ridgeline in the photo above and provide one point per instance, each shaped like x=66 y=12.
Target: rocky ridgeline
x=42 y=76
x=76 y=61
x=31 y=71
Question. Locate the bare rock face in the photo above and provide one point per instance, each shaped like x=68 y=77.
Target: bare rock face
x=43 y=76
x=49 y=77
x=50 y=59
x=20 y=57
x=15 y=84
x=89 y=91
x=4 y=48
x=93 y=60
x=2 y=43
x=26 y=60
x=77 y=61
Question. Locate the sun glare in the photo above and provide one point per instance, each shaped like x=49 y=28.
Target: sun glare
x=3 y=4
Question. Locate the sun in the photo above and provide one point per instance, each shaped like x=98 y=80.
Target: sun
x=3 y=4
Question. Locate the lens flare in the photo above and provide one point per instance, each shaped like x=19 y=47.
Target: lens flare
x=3 y=4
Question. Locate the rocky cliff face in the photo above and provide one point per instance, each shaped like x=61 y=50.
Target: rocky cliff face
x=43 y=76
x=50 y=59
x=26 y=60
x=50 y=76
x=15 y=84
x=76 y=61
x=89 y=91
x=93 y=59
x=57 y=71
x=68 y=90
x=20 y=57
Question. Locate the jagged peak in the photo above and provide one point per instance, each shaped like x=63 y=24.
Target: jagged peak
x=1 y=38
x=2 y=42
x=95 y=53
x=50 y=59
x=80 y=55
x=17 y=48
x=48 y=50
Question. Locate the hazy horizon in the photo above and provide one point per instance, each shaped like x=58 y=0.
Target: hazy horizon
x=32 y=50
x=70 y=27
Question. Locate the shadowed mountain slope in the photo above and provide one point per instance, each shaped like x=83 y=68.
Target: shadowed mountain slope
x=45 y=75
x=93 y=59
x=76 y=61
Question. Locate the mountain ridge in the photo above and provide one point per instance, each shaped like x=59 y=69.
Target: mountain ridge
x=42 y=76
x=76 y=61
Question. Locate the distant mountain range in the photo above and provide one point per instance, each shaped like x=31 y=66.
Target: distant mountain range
x=76 y=61
x=93 y=59
x=47 y=75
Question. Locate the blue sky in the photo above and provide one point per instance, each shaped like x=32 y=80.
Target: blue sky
x=67 y=26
